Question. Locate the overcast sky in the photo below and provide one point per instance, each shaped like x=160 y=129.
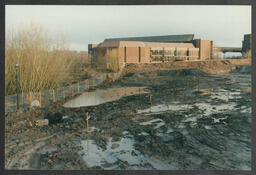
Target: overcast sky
x=225 y=25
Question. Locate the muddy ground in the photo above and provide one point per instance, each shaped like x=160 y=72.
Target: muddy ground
x=186 y=120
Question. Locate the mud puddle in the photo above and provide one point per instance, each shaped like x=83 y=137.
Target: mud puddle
x=100 y=96
x=157 y=109
x=118 y=154
x=190 y=129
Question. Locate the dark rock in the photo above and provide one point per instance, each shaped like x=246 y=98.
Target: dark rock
x=114 y=146
x=54 y=117
x=133 y=153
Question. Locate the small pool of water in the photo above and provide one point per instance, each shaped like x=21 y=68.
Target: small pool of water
x=100 y=96
x=116 y=153
x=175 y=106
x=209 y=109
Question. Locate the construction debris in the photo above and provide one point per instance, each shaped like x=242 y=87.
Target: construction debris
x=42 y=122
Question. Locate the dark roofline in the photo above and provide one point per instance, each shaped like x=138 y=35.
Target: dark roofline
x=163 y=38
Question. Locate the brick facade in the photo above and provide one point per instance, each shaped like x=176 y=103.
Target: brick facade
x=107 y=52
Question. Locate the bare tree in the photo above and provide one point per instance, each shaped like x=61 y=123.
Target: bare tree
x=44 y=63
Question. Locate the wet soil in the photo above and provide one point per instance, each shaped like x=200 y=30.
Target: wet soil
x=188 y=120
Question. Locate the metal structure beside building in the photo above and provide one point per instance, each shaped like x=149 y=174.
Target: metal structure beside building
x=247 y=46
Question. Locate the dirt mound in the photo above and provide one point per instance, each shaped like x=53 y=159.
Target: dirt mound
x=207 y=66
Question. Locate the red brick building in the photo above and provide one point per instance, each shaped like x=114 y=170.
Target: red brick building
x=119 y=51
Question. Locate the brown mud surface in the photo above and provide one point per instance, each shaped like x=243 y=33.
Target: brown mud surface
x=187 y=119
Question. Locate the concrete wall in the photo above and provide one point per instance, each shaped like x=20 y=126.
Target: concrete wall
x=205 y=48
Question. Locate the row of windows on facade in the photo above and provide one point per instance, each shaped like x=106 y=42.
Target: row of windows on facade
x=169 y=52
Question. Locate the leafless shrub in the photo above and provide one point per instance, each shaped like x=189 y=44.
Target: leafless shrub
x=112 y=60
x=44 y=63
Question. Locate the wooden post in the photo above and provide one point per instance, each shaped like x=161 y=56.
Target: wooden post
x=88 y=84
x=87 y=123
x=22 y=100
x=30 y=99
x=57 y=94
x=150 y=100
x=53 y=95
x=72 y=90
x=40 y=99
x=198 y=86
x=78 y=87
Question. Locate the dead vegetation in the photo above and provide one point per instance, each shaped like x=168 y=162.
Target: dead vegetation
x=44 y=62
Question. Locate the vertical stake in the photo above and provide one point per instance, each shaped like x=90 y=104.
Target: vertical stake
x=40 y=99
x=63 y=93
x=198 y=86
x=17 y=86
x=30 y=99
x=53 y=95
x=72 y=90
x=87 y=123
x=78 y=87
x=150 y=100
x=56 y=94
x=22 y=98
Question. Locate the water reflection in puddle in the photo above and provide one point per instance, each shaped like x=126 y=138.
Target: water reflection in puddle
x=96 y=156
x=164 y=107
x=100 y=96
x=209 y=109
x=116 y=153
x=207 y=127
x=158 y=122
x=225 y=95
x=245 y=109
x=202 y=110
